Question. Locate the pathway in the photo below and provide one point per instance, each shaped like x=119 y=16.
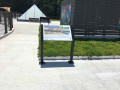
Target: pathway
x=19 y=68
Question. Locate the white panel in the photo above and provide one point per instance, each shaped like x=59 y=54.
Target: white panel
x=57 y=33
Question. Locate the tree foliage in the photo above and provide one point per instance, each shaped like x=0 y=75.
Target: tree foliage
x=51 y=8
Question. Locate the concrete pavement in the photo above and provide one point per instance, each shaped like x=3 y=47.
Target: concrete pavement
x=19 y=68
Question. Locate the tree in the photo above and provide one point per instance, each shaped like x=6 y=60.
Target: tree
x=51 y=8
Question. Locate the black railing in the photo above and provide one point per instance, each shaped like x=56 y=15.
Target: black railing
x=6 y=22
x=16 y=15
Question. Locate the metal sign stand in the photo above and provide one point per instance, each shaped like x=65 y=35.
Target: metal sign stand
x=42 y=62
x=72 y=47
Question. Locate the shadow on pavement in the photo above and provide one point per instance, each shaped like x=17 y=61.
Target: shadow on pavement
x=56 y=64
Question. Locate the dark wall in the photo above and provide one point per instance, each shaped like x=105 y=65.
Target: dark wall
x=95 y=17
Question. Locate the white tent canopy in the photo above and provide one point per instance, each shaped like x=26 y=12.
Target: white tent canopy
x=33 y=12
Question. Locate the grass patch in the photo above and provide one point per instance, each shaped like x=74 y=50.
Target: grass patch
x=83 y=47
x=54 y=20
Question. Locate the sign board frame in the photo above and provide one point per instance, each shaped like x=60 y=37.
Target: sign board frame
x=72 y=46
x=57 y=33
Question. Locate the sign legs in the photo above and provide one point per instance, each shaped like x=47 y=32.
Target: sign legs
x=42 y=62
x=71 y=54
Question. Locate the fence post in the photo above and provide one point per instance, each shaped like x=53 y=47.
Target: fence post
x=11 y=21
x=0 y=17
x=5 y=22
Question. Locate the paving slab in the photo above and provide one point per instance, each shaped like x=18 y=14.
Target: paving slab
x=20 y=69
